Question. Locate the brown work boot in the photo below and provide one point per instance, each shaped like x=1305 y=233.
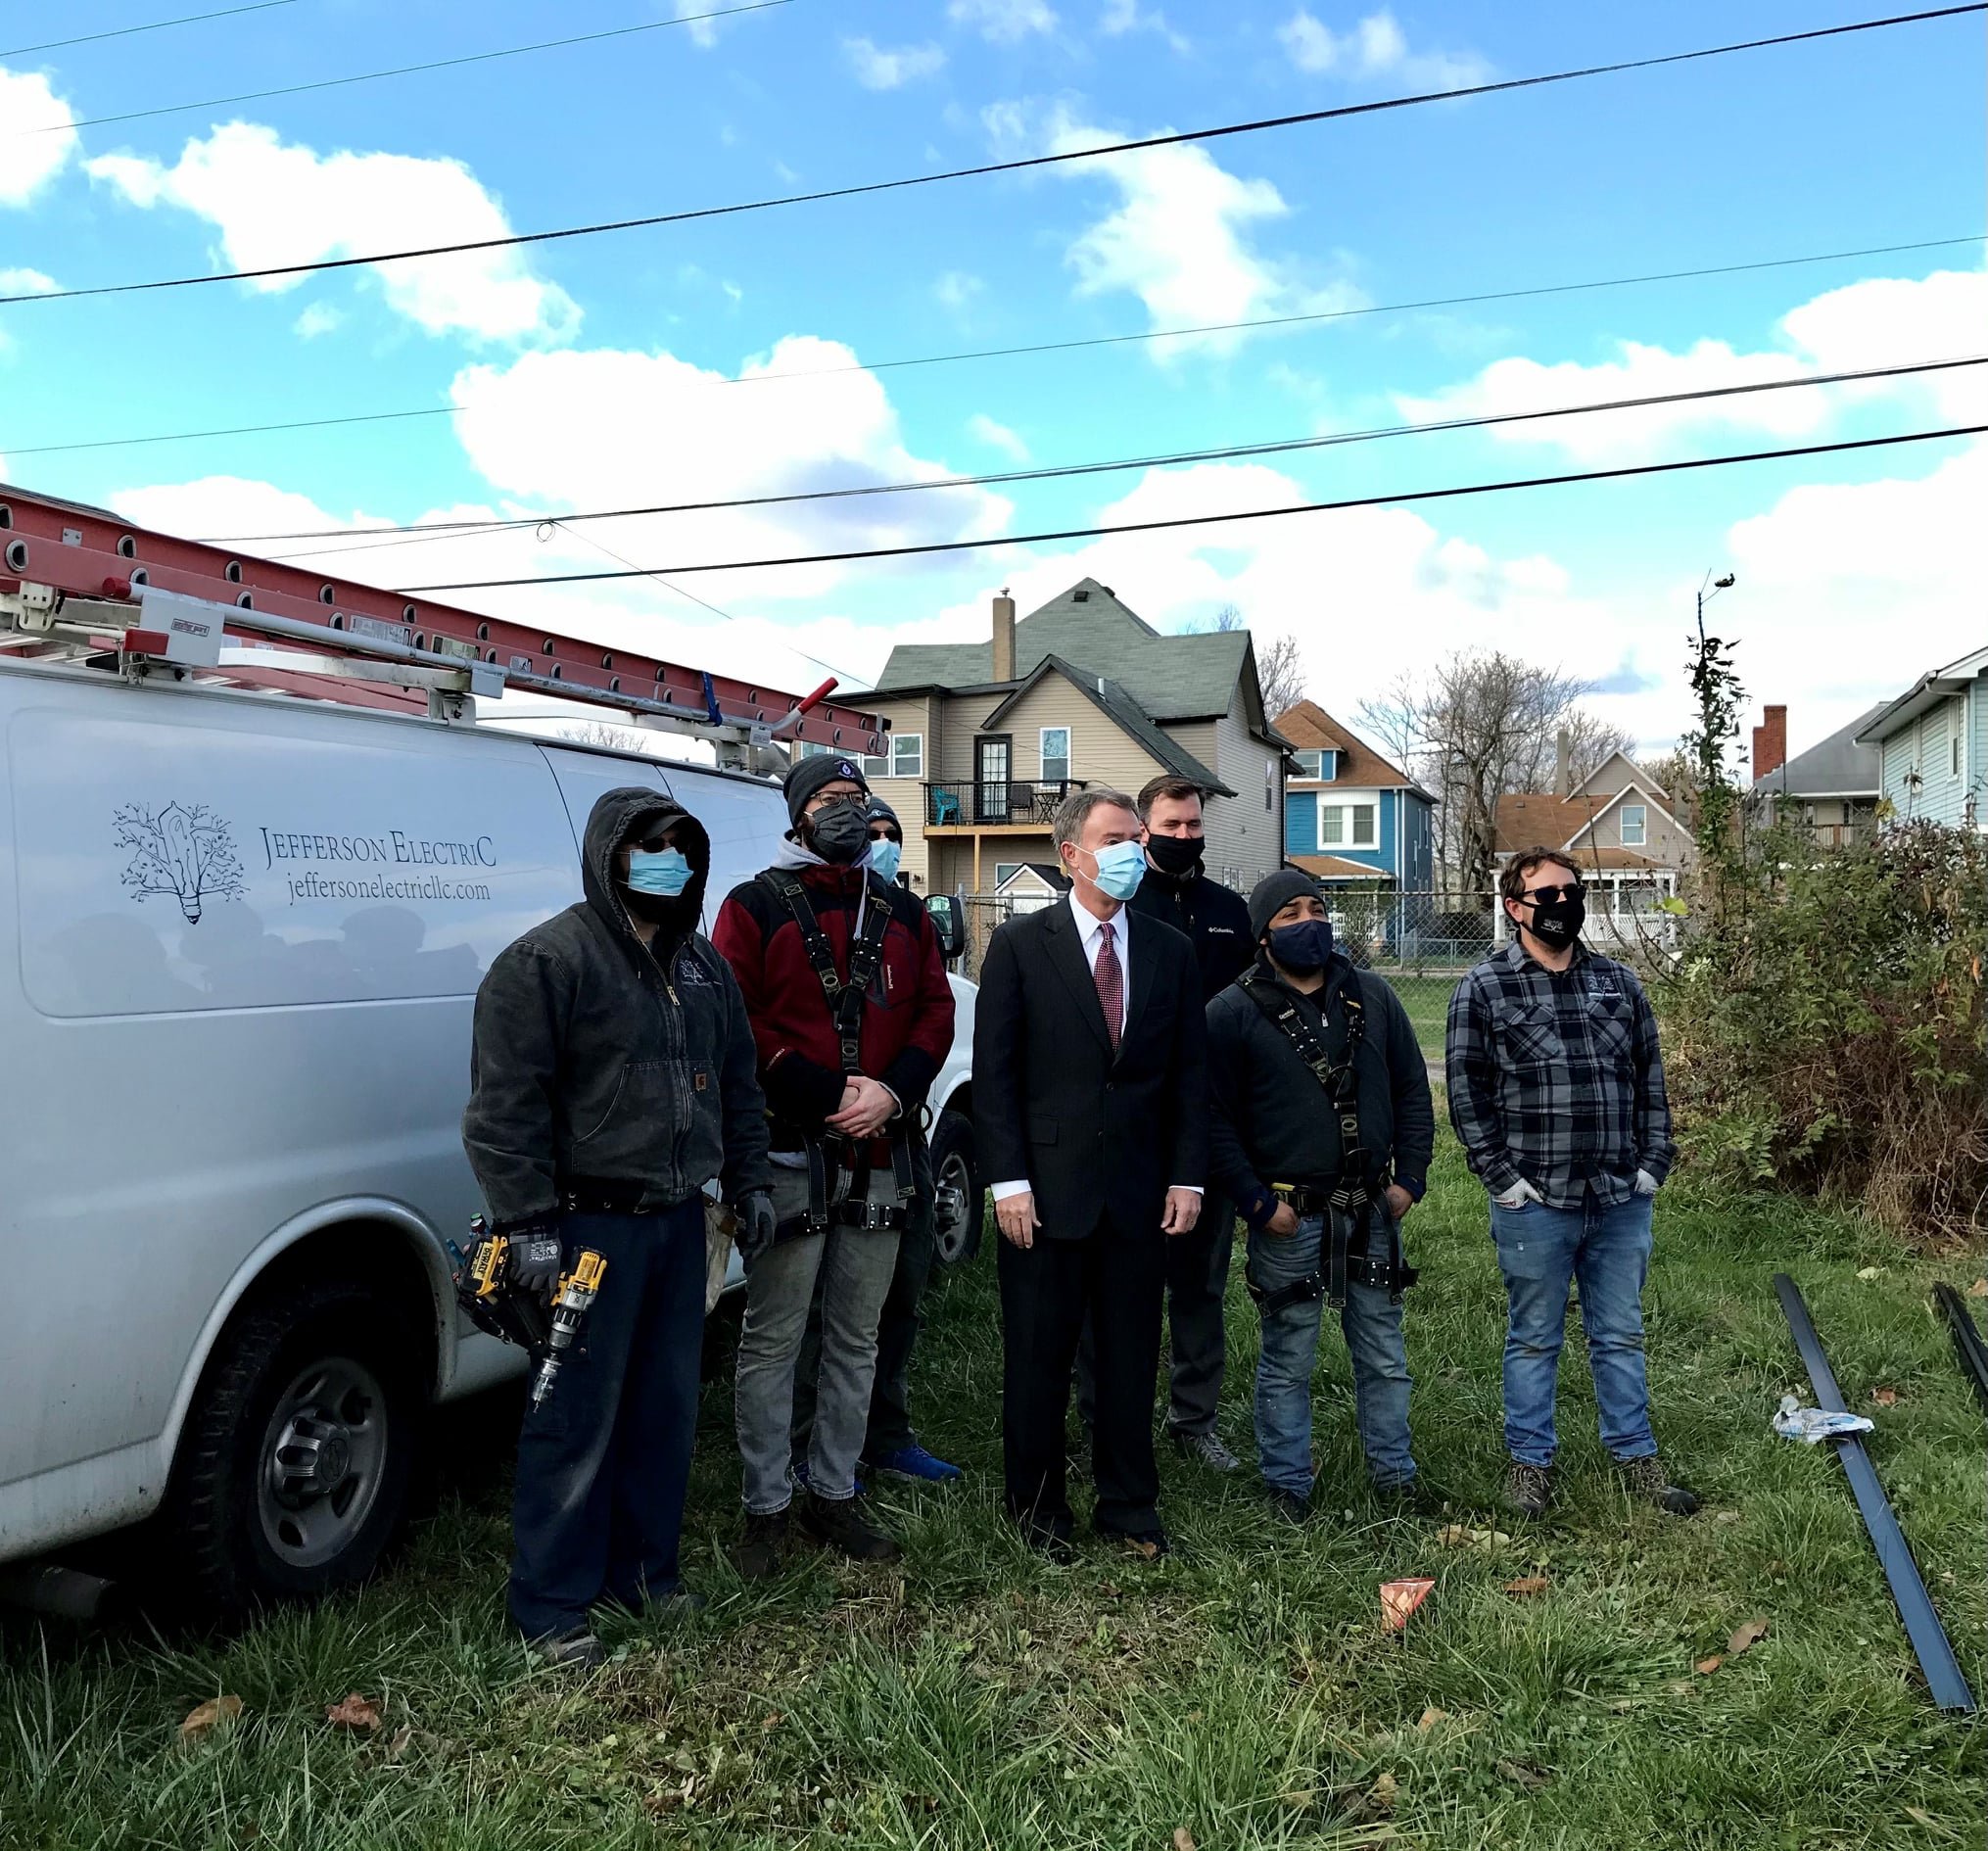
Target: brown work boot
x=1645 y=1478
x=1528 y=1489
x=762 y=1551
x=839 y=1524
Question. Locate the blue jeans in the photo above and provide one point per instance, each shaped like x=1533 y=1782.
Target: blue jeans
x=1372 y=1325
x=1608 y=1250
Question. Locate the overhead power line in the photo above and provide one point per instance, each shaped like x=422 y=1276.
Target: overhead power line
x=152 y=25
x=1402 y=498
x=1020 y=164
x=372 y=538
x=1050 y=347
x=397 y=71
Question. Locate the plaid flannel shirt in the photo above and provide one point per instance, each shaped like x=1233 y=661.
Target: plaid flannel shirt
x=1555 y=1077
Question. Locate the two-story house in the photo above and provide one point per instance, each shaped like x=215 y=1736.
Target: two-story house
x=1932 y=742
x=987 y=739
x=1832 y=790
x=1351 y=817
x=1617 y=826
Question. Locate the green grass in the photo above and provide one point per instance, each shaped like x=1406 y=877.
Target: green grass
x=1242 y=1690
x=1427 y=1001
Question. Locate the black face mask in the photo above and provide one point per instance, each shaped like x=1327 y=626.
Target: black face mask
x=1305 y=947
x=1175 y=855
x=1558 y=923
x=838 y=834
x=671 y=915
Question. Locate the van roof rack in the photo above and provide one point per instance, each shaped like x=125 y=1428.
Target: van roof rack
x=78 y=584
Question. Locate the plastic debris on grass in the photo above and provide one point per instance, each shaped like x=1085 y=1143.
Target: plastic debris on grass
x=1793 y=1421
x=1400 y=1598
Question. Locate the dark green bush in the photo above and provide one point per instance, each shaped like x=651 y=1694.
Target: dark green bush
x=1825 y=1030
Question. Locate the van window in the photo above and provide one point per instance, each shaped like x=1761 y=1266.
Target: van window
x=744 y=820
x=210 y=859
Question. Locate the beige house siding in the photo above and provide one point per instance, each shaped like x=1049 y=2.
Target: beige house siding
x=1101 y=753
x=906 y=795
x=1243 y=836
x=1665 y=843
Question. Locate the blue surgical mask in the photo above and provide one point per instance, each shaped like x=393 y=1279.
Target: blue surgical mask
x=664 y=874
x=886 y=856
x=1305 y=947
x=1121 y=866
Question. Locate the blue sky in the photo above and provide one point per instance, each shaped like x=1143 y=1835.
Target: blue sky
x=592 y=371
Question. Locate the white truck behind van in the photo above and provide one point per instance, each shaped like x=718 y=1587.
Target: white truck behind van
x=240 y=936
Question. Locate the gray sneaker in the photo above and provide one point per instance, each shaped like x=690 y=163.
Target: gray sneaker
x=1645 y=1478
x=1528 y=1489
x=577 y=1651
x=1207 y=1448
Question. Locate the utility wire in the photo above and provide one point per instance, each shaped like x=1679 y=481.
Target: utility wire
x=398 y=70
x=1406 y=497
x=1025 y=164
x=426 y=532
x=155 y=25
x=1052 y=347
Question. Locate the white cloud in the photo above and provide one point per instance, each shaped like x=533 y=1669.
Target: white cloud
x=957 y=287
x=1376 y=47
x=985 y=430
x=1879 y=321
x=319 y=318
x=878 y=67
x=1002 y=21
x=37 y=141
x=703 y=31
x=1128 y=16
x=1182 y=240
x=275 y=203
x=23 y=282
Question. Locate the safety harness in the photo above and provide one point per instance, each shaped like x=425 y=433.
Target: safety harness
x=1349 y=1204
x=830 y=1154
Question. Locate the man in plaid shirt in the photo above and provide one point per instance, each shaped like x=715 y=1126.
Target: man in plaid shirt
x=1556 y=1093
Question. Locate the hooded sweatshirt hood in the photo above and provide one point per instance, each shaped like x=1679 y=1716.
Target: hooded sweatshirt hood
x=617 y=816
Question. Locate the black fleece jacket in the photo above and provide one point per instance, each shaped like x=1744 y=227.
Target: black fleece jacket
x=1272 y=1122
x=1214 y=918
x=596 y=1058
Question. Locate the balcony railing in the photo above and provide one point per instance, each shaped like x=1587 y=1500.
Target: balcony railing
x=1010 y=803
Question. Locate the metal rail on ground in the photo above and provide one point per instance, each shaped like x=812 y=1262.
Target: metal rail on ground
x=1968 y=1340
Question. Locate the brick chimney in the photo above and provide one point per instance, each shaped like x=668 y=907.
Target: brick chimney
x=1563 y=764
x=1004 y=637
x=1771 y=741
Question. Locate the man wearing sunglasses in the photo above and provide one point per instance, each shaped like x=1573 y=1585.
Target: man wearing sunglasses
x=1556 y=1093
x=611 y=1077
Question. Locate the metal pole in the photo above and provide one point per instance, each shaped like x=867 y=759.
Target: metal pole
x=1922 y=1627
x=1968 y=1342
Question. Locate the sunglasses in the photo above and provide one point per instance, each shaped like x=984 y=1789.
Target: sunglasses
x=654 y=844
x=1549 y=897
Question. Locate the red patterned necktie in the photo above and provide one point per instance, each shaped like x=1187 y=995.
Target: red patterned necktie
x=1110 y=981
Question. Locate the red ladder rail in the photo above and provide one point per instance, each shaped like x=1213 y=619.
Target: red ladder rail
x=89 y=553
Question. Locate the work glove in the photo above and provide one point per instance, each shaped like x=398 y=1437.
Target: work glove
x=533 y=1251
x=753 y=1226
x=1518 y=1195
x=1646 y=1184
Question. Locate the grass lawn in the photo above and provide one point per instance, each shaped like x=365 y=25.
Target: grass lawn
x=1427 y=1001
x=1240 y=1693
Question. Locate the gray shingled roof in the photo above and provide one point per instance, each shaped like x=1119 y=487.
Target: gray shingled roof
x=1172 y=677
x=1107 y=696
x=1836 y=768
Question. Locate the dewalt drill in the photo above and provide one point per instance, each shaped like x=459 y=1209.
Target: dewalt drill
x=484 y=1290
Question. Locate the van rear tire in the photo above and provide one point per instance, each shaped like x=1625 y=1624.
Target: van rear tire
x=962 y=1199
x=294 y=1471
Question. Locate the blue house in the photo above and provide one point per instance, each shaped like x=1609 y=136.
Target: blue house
x=1356 y=822
x=1933 y=744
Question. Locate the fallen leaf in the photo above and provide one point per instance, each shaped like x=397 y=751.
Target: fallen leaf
x=1383 y=1792
x=1524 y=1774
x=1110 y=1589
x=404 y=1739
x=1885 y=1396
x=1748 y=1637
x=1301 y=1800
x=1527 y=1585
x=1183 y=1839
x=1431 y=1717
x=1726 y=1516
x=1868 y=1273
x=1146 y=1552
x=360 y=1714
x=199 y=1721
x=1705 y=1667
x=1457 y=1536
x=1978 y=1289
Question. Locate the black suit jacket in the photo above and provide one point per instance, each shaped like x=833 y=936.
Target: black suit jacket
x=1100 y=1138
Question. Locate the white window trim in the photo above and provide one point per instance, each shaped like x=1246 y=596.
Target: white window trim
x=1642 y=840
x=1069 y=757
x=1349 y=803
x=890 y=758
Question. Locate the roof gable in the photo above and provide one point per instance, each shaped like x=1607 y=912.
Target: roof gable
x=1836 y=767
x=1117 y=706
x=1615 y=772
x=1309 y=727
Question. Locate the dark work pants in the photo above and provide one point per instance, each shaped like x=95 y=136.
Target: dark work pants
x=1046 y=1291
x=604 y=1460
x=1197 y=1300
x=890 y=1429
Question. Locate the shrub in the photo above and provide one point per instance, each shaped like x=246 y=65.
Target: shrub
x=1828 y=1032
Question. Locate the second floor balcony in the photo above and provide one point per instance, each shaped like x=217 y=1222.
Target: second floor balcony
x=1025 y=806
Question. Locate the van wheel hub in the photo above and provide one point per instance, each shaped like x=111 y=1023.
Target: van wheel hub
x=324 y=1451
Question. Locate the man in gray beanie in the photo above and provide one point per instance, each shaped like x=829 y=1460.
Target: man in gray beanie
x=1321 y=1129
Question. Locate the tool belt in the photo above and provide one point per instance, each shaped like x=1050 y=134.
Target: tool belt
x=595 y=1195
x=1348 y=1255
x=830 y=1155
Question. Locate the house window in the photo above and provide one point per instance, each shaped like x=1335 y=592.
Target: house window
x=1363 y=824
x=1332 y=825
x=906 y=755
x=1635 y=825
x=1308 y=764
x=811 y=749
x=1006 y=871
x=1954 y=749
x=1270 y=785
x=1055 y=755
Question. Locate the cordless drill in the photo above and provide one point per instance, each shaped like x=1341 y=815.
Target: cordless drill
x=570 y=1305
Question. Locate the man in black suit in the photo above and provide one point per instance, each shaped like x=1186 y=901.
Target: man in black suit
x=1090 y=1112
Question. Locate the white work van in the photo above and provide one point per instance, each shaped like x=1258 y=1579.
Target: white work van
x=240 y=936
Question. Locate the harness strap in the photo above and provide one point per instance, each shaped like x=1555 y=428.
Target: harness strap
x=1341 y=1082
x=844 y=996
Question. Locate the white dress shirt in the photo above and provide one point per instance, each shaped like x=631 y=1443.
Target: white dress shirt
x=1090 y=936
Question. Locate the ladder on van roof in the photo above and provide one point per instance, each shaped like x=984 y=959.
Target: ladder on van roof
x=78 y=584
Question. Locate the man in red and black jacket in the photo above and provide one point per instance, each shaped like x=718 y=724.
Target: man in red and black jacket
x=845 y=1086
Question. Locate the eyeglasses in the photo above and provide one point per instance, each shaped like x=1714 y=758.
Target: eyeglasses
x=1551 y=896
x=654 y=844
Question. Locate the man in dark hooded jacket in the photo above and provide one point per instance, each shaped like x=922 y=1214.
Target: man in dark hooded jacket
x=611 y=1077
